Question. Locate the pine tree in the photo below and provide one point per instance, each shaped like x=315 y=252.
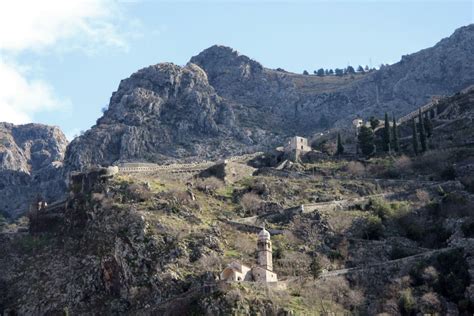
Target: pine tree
x=386 y=135
x=340 y=147
x=422 y=132
x=395 y=141
x=366 y=140
x=415 y=137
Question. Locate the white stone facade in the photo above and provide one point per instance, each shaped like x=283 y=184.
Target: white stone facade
x=236 y=272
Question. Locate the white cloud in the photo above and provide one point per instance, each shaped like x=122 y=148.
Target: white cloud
x=20 y=98
x=48 y=26
x=31 y=24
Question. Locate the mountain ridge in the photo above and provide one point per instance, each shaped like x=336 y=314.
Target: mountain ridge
x=234 y=104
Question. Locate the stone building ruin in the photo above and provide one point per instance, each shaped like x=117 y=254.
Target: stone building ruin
x=298 y=143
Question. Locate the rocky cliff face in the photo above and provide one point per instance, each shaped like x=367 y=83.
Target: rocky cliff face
x=223 y=103
x=161 y=111
x=30 y=164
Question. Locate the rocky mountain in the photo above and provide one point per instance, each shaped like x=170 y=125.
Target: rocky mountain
x=223 y=103
x=31 y=158
x=161 y=111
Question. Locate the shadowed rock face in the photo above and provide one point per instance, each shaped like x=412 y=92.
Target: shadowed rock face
x=31 y=159
x=223 y=103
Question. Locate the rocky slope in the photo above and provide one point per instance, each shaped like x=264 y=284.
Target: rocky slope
x=31 y=159
x=223 y=103
x=141 y=244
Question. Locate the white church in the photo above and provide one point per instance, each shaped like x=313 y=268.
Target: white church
x=262 y=272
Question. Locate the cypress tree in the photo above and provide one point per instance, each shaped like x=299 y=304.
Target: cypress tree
x=340 y=147
x=422 y=132
x=415 y=137
x=366 y=140
x=386 y=135
x=395 y=142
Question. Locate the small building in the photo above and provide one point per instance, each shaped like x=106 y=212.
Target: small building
x=298 y=143
x=262 y=272
x=236 y=272
x=358 y=123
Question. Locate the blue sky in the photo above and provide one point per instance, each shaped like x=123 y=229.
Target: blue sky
x=62 y=68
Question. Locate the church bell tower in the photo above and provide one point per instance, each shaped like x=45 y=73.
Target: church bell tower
x=264 y=249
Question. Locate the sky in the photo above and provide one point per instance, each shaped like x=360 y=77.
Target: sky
x=61 y=60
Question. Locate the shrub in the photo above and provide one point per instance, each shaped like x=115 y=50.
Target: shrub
x=335 y=255
x=430 y=304
x=454 y=274
x=407 y=302
x=233 y=296
x=278 y=253
x=251 y=202
x=453 y=204
x=387 y=211
x=315 y=268
x=430 y=275
x=374 y=228
x=423 y=196
x=403 y=164
x=209 y=185
x=355 y=168
x=137 y=192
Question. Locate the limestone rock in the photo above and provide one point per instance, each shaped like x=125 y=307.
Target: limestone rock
x=31 y=158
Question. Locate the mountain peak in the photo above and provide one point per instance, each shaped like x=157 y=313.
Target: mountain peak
x=218 y=57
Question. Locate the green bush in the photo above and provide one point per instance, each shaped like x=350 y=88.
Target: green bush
x=407 y=302
x=278 y=253
x=374 y=228
x=335 y=255
x=387 y=210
